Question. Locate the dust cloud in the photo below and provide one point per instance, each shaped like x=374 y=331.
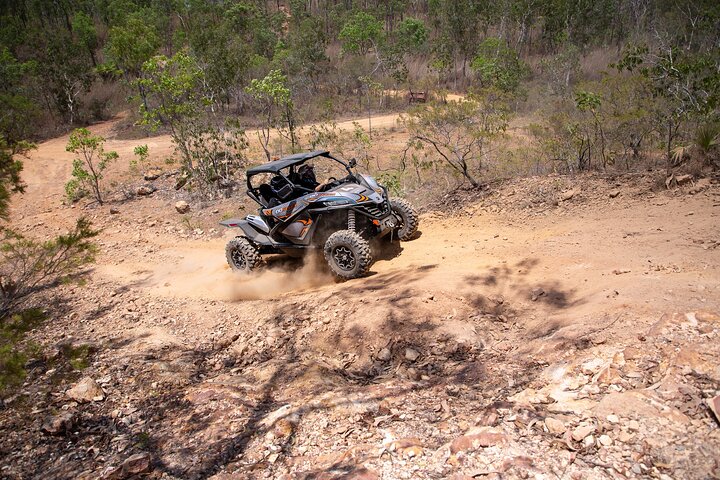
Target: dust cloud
x=274 y=280
x=204 y=273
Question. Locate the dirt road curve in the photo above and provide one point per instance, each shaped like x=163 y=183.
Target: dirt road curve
x=574 y=341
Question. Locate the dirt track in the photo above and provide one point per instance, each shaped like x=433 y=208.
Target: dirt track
x=520 y=297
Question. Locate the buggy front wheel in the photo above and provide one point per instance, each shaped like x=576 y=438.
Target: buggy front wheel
x=348 y=254
x=409 y=217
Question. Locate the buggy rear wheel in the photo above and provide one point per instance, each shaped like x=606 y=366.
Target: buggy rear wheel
x=348 y=254
x=241 y=255
x=409 y=217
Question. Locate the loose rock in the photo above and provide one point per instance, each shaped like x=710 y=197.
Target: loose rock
x=384 y=355
x=714 y=404
x=411 y=354
x=136 y=464
x=152 y=175
x=565 y=196
x=474 y=441
x=86 y=390
x=58 y=424
x=582 y=431
x=182 y=206
x=555 y=426
x=145 y=190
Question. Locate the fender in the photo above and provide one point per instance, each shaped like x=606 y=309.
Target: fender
x=249 y=232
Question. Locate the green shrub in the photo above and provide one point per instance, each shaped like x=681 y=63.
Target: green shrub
x=391 y=181
x=13 y=354
x=28 y=266
x=89 y=166
x=141 y=153
x=707 y=137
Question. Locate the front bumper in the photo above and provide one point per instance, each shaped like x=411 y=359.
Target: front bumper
x=387 y=225
x=381 y=216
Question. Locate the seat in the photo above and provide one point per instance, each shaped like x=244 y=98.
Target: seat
x=267 y=196
x=285 y=192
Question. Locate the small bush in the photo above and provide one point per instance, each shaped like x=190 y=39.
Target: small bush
x=12 y=371
x=141 y=161
x=459 y=134
x=89 y=166
x=14 y=355
x=707 y=137
x=391 y=181
x=78 y=356
x=28 y=266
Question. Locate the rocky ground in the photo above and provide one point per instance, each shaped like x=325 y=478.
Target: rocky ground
x=557 y=327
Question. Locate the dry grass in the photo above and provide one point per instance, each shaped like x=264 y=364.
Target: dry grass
x=596 y=62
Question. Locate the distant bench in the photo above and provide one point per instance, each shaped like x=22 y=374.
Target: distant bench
x=417 y=97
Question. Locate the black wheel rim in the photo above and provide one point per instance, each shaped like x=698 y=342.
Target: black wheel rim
x=238 y=259
x=344 y=258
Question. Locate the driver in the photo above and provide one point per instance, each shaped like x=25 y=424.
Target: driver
x=306 y=178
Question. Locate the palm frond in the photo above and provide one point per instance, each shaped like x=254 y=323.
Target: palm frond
x=707 y=136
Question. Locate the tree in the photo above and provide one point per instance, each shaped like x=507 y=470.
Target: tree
x=66 y=72
x=459 y=22
x=355 y=143
x=688 y=83
x=361 y=33
x=459 y=131
x=18 y=112
x=83 y=28
x=175 y=86
x=132 y=44
x=217 y=155
x=306 y=56
x=220 y=39
x=277 y=107
x=177 y=98
x=10 y=168
x=561 y=69
x=90 y=164
x=498 y=65
x=17 y=117
x=411 y=35
x=594 y=133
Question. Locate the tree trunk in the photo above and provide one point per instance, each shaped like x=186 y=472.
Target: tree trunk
x=92 y=57
x=470 y=178
x=669 y=142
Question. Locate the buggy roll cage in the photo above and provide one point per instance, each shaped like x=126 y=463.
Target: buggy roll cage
x=291 y=161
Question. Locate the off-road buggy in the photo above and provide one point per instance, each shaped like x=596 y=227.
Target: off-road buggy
x=342 y=217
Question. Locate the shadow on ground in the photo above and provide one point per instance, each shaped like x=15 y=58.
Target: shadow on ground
x=242 y=404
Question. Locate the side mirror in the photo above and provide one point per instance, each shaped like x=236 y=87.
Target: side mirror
x=352 y=163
